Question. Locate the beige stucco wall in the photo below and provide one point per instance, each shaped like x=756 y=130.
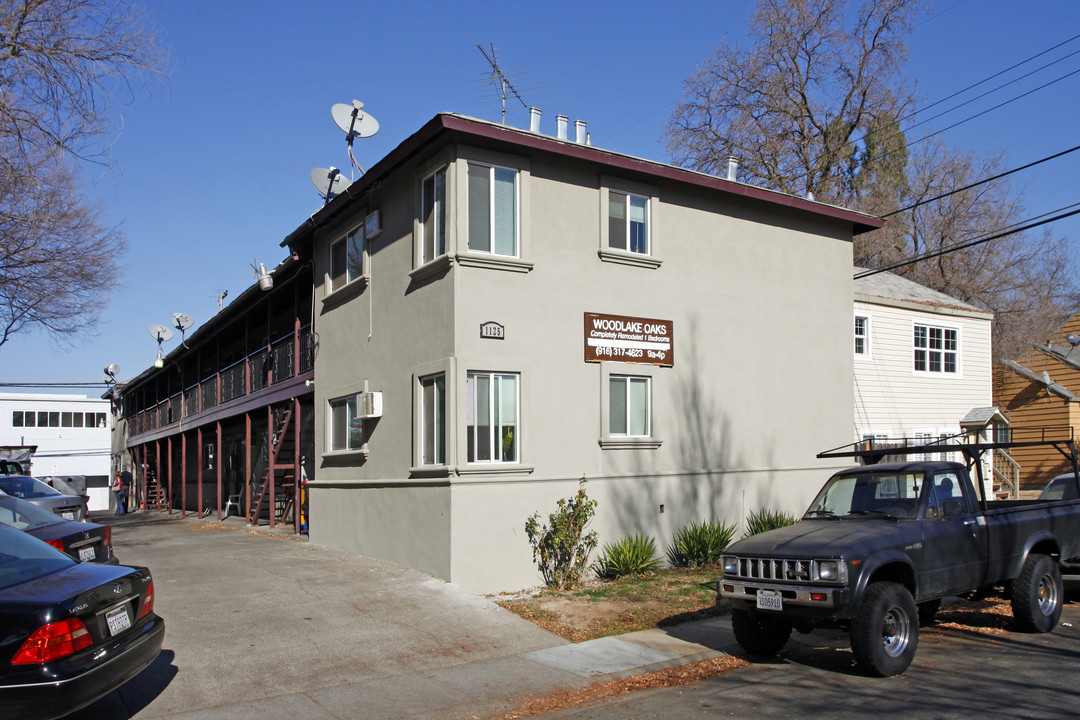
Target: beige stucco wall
x=762 y=378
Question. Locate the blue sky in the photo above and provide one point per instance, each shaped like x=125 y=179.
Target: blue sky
x=212 y=172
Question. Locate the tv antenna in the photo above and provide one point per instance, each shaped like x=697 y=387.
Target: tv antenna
x=182 y=322
x=505 y=88
x=498 y=78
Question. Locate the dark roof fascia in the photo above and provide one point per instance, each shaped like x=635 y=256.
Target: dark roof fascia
x=283 y=273
x=465 y=128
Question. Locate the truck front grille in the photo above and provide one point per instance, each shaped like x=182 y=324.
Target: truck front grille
x=772 y=569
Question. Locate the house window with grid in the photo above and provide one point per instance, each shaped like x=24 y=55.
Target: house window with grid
x=628 y=222
x=492 y=408
x=433 y=205
x=862 y=336
x=347 y=259
x=628 y=406
x=433 y=410
x=937 y=349
x=493 y=210
x=346 y=426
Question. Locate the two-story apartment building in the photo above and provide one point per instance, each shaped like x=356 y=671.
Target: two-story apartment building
x=501 y=312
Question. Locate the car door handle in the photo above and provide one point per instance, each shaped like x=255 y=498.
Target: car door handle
x=969 y=522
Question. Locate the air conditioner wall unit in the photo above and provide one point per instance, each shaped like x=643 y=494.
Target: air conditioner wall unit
x=369 y=404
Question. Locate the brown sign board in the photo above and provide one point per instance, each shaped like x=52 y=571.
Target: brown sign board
x=620 y=338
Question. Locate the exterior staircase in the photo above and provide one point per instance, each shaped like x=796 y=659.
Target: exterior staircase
x=273 y=479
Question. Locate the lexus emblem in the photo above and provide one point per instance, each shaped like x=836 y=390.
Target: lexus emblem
x=118 y=588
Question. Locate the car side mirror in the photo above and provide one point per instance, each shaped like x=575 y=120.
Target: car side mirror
x=953 y=507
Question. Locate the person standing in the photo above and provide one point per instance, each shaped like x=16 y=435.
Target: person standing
x=118 y=489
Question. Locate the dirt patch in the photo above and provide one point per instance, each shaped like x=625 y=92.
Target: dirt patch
x=611 y=607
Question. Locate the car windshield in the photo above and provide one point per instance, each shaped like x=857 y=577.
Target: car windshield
x=24 y=558
x=23 y=515
x=26 y=487
x=884 y=494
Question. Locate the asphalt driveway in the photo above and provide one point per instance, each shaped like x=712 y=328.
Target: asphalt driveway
x=251 y=617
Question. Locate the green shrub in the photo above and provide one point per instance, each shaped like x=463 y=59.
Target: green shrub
x=561 y=548
x=633 y=555
x=700 y=544
x=763 y=520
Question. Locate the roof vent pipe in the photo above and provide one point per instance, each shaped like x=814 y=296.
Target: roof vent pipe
x=732 y=168
x=534 y=119
x=579 y=130
x=561 y=124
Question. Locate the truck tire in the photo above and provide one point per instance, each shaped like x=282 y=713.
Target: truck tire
x=1037 y=595
x=885 y=631
x=759 y=635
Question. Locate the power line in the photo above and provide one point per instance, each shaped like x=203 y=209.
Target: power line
x=981 y=182
x=90 y=385
x=964 y=246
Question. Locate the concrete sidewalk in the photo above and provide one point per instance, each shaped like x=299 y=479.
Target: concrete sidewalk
x=267 y=627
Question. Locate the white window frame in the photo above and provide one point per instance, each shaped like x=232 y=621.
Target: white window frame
x=627 y=400
x=867 y=345
x=493 y=411
x=354 y=439
x=621 y=253
x=626 y=200
x=438 y=208
x=351 y=280
x=430 y=428
x=492 y=171
x=928 y=351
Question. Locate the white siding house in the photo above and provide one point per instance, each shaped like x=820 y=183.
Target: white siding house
x=922 y=360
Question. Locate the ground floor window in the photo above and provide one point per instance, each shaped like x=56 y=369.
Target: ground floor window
x=628 y=406
x=433 y=389
x=346 y=426
x=492 y=400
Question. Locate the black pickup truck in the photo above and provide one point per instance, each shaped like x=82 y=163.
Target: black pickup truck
x=883 y=543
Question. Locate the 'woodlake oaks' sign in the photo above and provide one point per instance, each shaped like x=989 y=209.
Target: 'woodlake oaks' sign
x=629 y=339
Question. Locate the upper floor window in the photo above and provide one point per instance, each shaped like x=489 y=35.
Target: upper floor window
x=937 y=349
x=628 y=222
x=628 y=406
x=433 y=203
x=862 y=335
x=492 y=406
x=493 y=210
x=347 y=259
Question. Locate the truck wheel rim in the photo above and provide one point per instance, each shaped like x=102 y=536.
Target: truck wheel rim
x=1047 y=596
x=895 y=632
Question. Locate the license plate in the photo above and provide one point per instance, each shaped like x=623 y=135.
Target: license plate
x=118 y=620
x=68 y=515
x=769 y=600
x=86 y=554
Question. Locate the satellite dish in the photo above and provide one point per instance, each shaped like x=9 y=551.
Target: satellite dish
x=160 y=333
x=1073 y=339
x=182 y=322
x=112 y=369
x=353 y=121
x=329 y=182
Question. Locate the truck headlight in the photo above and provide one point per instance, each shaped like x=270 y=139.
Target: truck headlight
x=731 y=565
x=832 y=570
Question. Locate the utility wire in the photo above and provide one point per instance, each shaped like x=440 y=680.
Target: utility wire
x=981 y=182
x=963 y=246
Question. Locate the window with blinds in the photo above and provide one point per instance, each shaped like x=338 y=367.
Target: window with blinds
x=493 y=210
x=628 y=406
x=628 y=222
x=492 y=417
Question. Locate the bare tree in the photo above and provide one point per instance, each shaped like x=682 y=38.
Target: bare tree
x=815 y=105
x=61 y=64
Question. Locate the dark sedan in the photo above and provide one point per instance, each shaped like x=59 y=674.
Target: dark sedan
x=24 y=487
x=84 y=541
x=71 y=632
x=1063 y=487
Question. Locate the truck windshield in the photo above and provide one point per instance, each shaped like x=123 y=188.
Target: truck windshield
x=894 y=495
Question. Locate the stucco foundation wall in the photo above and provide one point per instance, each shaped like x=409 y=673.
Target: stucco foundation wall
x=404 y=525
x=491 y=552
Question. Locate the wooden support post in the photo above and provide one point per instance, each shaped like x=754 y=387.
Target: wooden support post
x=199 y=470
x=170 y=464
x=296 y=457
x=219 y=465
x=247 y=465
x=157 y=464
x=270 y=474
x=183 y=474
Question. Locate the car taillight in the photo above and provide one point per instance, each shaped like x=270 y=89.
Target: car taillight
x=57 y=543
x=106 y=542
x=54 y=641
x=148 y=601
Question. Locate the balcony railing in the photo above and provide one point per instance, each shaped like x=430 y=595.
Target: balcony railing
x=265 y=366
